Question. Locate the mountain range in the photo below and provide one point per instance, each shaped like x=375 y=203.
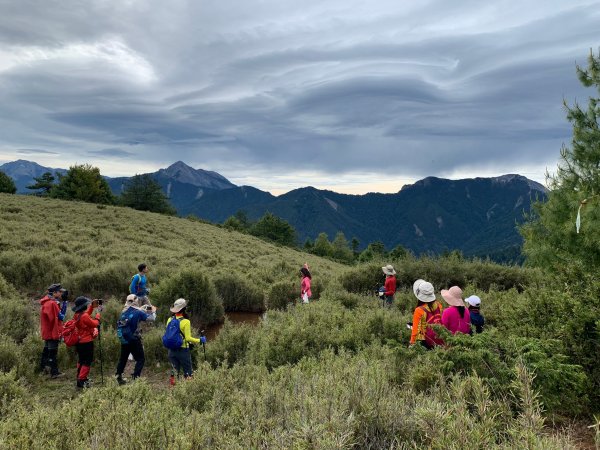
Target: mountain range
x=477 y=216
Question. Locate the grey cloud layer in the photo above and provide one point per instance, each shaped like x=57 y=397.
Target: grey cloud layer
x=332 y=86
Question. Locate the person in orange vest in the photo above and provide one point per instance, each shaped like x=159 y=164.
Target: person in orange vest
x=427 y=313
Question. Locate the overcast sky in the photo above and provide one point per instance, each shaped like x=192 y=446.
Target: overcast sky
x=352 y=96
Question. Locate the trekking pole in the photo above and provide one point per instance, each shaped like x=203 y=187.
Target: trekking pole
x=203 y=340
x=100 y=345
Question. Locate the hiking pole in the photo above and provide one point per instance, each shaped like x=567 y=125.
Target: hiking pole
x=100 y=345
x=203 y=340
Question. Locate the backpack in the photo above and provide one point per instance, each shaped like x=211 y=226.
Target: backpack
x=124 y=332
x=432 y=317
x=173 y=337
x=69 y=333
x=136 y=285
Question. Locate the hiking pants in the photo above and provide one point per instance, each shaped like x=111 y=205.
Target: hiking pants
x=85 y=352
x=389 y=299
x=181 y=359
x=50 y=356
x=136 y=349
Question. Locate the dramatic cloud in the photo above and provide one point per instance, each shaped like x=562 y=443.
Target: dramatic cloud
x=345 y=95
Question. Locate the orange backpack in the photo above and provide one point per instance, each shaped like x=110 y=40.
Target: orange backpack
x=432 y=317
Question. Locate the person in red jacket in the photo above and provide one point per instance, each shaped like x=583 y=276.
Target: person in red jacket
x=87 y=329
x=390 y=284
x=52 y=315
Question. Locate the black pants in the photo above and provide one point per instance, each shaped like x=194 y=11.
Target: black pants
x=181 y=359
x=85 y=352
x=137 y=351
x=50 y=356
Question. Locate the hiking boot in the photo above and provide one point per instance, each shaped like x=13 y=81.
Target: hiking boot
x=121 y=381
x=84 y=384
x=57 y=375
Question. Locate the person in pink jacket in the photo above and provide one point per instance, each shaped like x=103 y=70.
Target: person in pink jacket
x=455 y=318
x=305 y=292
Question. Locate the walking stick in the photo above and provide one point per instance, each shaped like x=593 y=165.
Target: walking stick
x=100 y=345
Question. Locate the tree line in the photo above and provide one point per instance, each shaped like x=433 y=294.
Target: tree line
x=84 y=183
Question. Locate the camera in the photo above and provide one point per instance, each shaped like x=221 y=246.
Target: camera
x=100 y=302
x=64 y=295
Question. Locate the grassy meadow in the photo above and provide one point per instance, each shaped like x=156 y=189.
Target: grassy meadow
x=336 y=373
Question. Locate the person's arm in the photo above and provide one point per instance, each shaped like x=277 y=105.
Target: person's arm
x=87 y=321
x=133 y=284
x=389 y=286
x=147 y=316
x=303 y=287
x=186 y=330
x=415 y=326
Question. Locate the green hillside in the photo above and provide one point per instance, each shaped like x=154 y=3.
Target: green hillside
x=337 y=373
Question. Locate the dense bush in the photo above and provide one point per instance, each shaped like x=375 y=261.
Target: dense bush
x=239 y=294
x=7 y=290
x=193 y=285
x=112 y=278
x=282 y=294
x=16 y=319
x=31 y=271
x=442 y=272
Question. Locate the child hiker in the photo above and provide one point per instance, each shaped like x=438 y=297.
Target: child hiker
x=130 y=337
x=87 y=329
x=455 y=318
x=477 y=319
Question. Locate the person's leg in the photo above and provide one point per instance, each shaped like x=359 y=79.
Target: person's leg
x=86 y=356
x=53 y=358
x=186 y=362
x=174 y=360
x=137 y=350
x=125 y=351
x=44 y=361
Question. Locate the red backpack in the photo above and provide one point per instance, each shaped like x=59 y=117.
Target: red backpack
x=69 y=333
x=433 y=317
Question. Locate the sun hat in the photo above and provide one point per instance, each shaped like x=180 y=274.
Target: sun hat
x=424 y=291
x=389 y=270
x=132 y=300
x=453 y=296
x=80 y=304
x=473 y=300
x=179 y=304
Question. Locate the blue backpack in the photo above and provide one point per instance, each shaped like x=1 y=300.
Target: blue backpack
x=124 y=332
x=173 y=337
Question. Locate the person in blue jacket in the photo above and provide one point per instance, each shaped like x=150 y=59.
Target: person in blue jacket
x=130 y=337
x=139 y=285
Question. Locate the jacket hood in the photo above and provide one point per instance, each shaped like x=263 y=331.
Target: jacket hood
x=46 y=299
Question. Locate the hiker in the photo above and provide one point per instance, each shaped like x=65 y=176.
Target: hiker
x=52 y=315
x=130 y=337
x=87 y=329
x=455 y=318
x=305 y=292
x=138 y=285
x=390 y=284
x=427 y=313
x=477 y=319
x=180 y=358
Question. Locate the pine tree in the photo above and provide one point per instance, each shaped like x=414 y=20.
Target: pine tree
x=7 y=185
x=42 y=184
x=83 y=183
x=341 y=250
x=142 y=192
x=551 y=238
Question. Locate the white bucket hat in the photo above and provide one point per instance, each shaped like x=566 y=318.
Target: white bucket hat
x=453 y=296
x=473 y=300
x=424 y=291
x=389 y=270
x=179 y=304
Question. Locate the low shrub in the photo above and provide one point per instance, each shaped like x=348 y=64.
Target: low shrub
x=7 y=290
x=16 y=319
x=110 y=279
x=231 y=344
x=282 y=294
x=31 y=270
x=203 y=303
x=238 y=294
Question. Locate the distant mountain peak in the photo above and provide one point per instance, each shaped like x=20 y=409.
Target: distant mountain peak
x=534 y=185
x=184 y=173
